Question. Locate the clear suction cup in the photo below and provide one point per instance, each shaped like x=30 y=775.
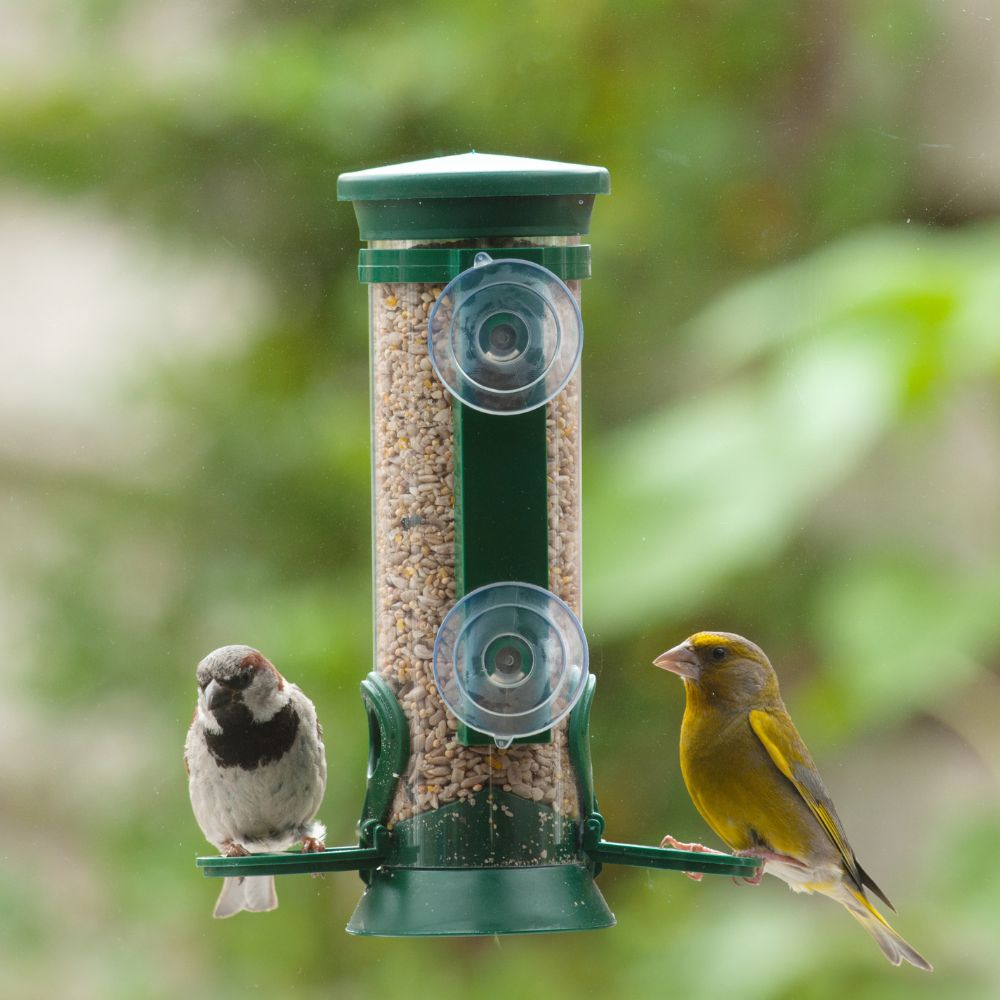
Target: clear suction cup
x=505 y=336
x=510 y=660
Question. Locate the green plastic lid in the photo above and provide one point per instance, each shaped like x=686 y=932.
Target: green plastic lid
x=473 y=194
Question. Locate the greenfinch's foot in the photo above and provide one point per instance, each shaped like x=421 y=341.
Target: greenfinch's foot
x=764 y=856
x=680 y=845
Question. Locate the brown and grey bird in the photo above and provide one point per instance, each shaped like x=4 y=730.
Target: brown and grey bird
x=754 y=781
x=256 y=768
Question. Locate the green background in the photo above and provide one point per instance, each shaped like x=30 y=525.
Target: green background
x=792 y=430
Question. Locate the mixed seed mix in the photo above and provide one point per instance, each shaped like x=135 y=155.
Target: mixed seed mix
x=414 y=532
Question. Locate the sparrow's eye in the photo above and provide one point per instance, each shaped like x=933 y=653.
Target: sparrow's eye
x=718 y=653
x=240 y=681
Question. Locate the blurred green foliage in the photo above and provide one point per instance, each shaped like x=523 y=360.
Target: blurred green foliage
x=791 y=415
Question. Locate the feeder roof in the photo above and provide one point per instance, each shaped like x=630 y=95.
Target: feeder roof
x=473 y=194
x=472 y=175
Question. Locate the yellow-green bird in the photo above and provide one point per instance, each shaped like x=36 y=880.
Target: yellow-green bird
x=752 y=778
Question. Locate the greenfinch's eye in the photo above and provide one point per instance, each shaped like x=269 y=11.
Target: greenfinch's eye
x=719 y=653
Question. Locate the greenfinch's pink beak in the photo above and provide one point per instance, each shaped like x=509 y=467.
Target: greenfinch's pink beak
x=680 y=660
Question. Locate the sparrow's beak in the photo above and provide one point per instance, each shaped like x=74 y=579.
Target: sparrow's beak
x=218 y=695
x=680 y=660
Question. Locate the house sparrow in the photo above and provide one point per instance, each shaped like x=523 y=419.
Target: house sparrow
x=256 y=768
x=753 y=780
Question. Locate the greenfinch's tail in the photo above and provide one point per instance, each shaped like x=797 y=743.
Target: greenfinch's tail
x=893 y=946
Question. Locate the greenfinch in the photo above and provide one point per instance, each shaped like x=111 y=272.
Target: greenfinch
x=753 y=780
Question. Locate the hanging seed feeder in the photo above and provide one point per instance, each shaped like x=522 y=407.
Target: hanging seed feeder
x=480 y=815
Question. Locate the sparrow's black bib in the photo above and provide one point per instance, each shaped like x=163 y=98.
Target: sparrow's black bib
x=248 y=744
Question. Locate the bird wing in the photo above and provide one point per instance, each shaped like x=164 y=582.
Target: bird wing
x=776 y=731
x=781 y=740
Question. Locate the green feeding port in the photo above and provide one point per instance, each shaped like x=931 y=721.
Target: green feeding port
x=480 y=815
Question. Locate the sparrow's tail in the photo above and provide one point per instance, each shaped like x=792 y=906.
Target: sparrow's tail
x=254 y=893
x=893 y=946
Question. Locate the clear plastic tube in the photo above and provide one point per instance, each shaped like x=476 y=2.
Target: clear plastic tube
x=414 y=554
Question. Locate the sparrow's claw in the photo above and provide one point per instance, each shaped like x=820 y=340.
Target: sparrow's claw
x=313 y=845
x=231 y=850
x=680 y=845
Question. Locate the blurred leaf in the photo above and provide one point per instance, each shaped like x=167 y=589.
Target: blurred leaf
x=909 y=281
x=898 y=635
x=680 y=502
x=844 y=342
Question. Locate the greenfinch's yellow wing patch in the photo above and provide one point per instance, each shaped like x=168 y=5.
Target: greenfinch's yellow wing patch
x=779 y=737
x=785 y=747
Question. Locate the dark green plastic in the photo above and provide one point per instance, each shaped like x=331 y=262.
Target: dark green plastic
x=472 y=175
x=462 y=902
x=578 y=736
x=474 y=738
x=501 y=498
x=439 y=264
x=388 y=748
x=501 y=510
x=499 y=829
x=345 y=859
x=638 y=855
x=464 y=218
x=473 y=194
x=340 y=859
x=333 y=859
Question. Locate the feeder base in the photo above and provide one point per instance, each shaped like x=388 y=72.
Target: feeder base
x=461 y=902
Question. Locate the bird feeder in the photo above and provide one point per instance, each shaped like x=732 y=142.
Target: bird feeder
x=480 y=815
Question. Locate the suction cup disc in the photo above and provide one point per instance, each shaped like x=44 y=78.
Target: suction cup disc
x=510 y=660
x=505 y=336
